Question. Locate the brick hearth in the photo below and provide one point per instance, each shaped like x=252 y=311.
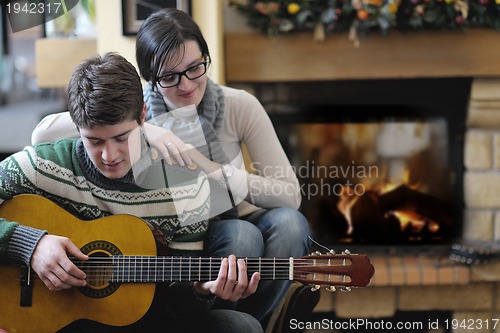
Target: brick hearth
x=415 y=283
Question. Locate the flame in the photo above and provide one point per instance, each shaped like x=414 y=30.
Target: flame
x=407 y=219
x=416 y=222
x=347 y=199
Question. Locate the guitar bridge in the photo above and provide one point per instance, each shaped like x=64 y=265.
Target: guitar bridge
x=26 y=294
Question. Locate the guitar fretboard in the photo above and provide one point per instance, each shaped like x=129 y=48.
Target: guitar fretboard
x=130 y=269
x=336 y=270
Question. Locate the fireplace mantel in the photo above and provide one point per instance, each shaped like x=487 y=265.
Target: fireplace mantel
x=252 y=57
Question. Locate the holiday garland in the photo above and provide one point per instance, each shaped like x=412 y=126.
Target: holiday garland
x=361 y=16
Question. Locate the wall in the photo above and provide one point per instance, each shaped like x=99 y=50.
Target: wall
x=109 y=30
x=482 y=162
x=207 y=13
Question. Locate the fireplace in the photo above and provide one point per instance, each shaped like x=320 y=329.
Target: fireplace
x=380 y=162
x=385 y=180
x=414 y=278
x=411 y=71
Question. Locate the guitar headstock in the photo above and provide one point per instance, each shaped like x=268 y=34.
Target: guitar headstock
x=343 y=270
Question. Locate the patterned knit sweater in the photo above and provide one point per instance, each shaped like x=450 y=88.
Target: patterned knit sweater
x=63 y=173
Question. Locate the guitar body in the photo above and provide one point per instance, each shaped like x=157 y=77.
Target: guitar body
x=51 y=311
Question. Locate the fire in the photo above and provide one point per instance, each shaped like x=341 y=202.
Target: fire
x=408 y=218
x=347 y=199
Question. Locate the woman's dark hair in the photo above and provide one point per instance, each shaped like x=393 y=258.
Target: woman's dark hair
x=161 y=39
x=105 y=91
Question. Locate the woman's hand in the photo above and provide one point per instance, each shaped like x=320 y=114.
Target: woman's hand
x=211 y=168
x=51 y=263
x=232 y=282
x=168 y=144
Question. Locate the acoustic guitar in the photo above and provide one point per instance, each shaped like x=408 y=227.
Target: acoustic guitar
x=127 y=265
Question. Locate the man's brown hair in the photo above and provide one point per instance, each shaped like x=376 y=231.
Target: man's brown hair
x=105 y=90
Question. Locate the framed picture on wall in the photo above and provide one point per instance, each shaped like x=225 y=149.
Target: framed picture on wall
x=134 y=12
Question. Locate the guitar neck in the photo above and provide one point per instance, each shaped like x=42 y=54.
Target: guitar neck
x=130 y=269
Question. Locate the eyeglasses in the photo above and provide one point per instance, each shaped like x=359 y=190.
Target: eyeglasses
x=192 y=73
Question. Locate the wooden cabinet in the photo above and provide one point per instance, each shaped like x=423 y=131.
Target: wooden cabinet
x=56 y=59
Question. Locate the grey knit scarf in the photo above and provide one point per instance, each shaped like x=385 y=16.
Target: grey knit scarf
x=211 y=119
x=210 y=112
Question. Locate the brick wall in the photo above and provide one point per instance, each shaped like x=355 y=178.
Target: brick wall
x=482 y=162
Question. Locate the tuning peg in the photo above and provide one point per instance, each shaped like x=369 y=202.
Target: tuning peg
x=331 y=289
x=346 y=251
x=315 y=287
x=331 y=251
x=318 y=253
x=345 y=289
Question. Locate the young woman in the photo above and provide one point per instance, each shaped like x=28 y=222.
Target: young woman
x=173 y=58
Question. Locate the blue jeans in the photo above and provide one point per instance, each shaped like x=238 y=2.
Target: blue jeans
x=277 y=232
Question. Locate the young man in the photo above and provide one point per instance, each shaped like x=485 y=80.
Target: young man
x=93 y=177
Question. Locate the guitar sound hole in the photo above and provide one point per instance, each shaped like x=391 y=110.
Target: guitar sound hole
x=99 y=269
x=99 y=272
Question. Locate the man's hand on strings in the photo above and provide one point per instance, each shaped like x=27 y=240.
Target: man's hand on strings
x=232 y=282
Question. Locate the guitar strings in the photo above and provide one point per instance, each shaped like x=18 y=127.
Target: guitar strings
x=265 y=261
x=197 y=263
x=160 y=269
x=140 y=268
x=198 y=266
x=156 y=269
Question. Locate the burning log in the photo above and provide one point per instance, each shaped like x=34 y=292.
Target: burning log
x=405 y=199
x=398 y=215
x=369 y=222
